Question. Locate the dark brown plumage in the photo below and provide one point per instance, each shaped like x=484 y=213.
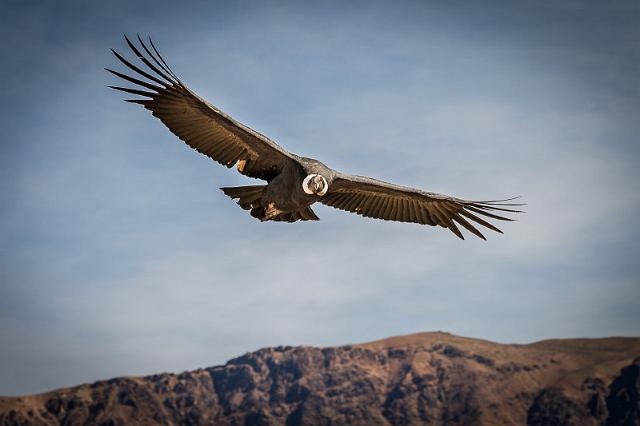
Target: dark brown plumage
x=294 y=183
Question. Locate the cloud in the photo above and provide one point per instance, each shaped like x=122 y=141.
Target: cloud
x=120 y=255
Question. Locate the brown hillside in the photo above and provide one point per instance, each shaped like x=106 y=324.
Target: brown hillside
x=426 y=378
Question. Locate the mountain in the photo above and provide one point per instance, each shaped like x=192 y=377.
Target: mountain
x=426 y=378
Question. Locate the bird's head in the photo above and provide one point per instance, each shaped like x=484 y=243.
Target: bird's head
x=315 y=184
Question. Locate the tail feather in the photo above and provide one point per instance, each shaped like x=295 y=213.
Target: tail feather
x=308 y=214
x=249 y=197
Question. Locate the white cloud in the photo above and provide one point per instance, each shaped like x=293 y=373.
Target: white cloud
x=120 y=256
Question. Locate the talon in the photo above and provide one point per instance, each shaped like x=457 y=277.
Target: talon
x=271 y=211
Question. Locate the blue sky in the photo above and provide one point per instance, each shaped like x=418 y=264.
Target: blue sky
x=119 y=255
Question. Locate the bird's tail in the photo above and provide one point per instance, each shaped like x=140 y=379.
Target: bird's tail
x=249 y=198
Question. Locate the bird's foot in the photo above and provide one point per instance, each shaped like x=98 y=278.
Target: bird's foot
x=271 y=212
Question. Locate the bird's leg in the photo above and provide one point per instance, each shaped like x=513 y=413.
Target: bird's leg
x=271 y=211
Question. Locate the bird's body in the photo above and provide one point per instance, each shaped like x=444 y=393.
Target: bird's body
x=284 y=198
x=286 y=189
x=294 y=183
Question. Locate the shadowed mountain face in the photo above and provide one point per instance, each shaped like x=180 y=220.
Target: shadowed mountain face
x=428 y=378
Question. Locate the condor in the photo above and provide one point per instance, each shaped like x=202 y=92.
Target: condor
x=294 y=183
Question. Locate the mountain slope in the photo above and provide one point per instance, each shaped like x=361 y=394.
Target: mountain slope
x=427 y=378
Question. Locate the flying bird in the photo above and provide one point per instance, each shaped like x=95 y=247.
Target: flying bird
x=294 y=183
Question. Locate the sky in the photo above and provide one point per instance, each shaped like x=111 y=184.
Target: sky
x=120 y=256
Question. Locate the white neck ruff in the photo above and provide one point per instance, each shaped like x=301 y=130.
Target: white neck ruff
x=305 y=185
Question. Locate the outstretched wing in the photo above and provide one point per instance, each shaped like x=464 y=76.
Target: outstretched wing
x=201 y=125
x=381 y=200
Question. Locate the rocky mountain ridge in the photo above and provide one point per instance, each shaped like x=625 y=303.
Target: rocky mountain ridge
x=426 y=378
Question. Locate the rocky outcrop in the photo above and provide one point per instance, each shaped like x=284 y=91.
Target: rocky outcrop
x=429 y=378
x=623 y=402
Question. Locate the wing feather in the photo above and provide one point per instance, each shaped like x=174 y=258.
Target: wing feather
x=393 y=208
x=459 y=219
x=386 y=208
x=381 y=200
x=151 y=55
x=199 y=124
x=406 y=211
x=378 y=207
x=399 y=210
x=413 y=215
